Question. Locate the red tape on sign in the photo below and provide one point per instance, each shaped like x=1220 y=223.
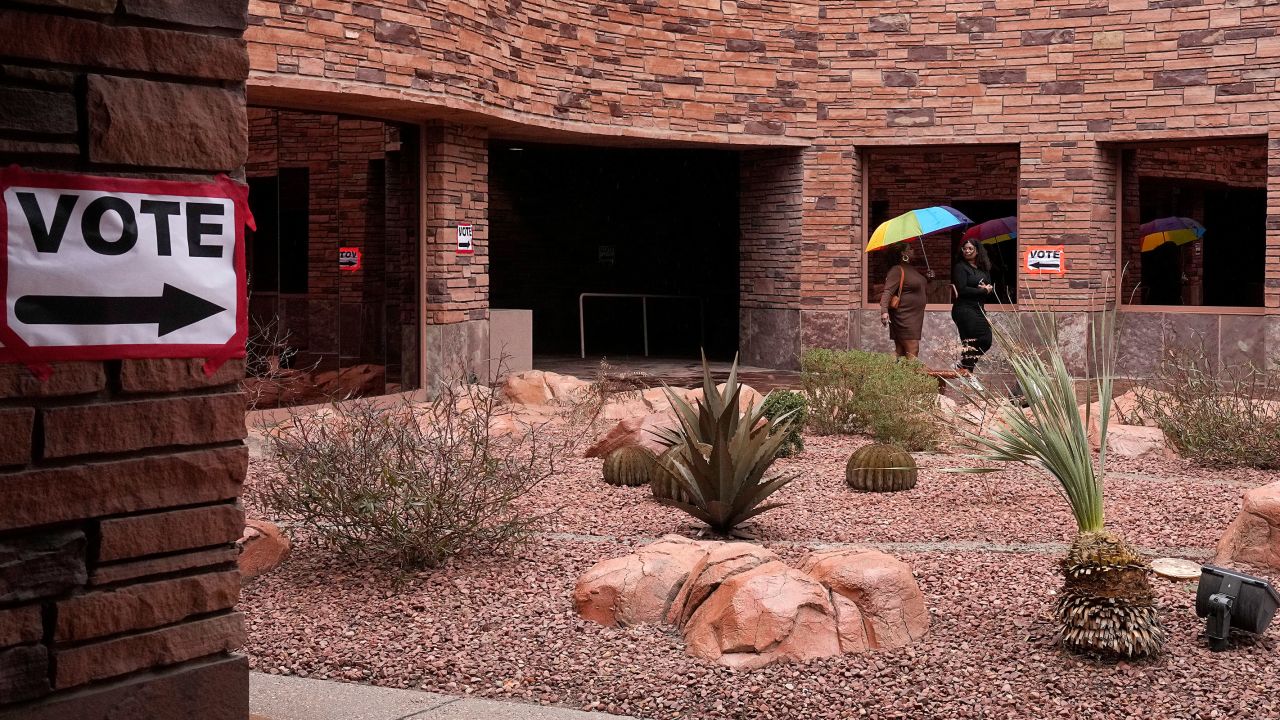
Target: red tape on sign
x=103 y=268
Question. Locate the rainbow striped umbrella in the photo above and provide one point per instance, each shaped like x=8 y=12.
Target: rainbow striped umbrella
x=993 y=231
x=912 y=225
x=1177 y=230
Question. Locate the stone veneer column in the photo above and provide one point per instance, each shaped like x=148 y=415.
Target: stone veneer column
x=832 y=251
x=771 y=210
x=119 y=480
x=455 y=189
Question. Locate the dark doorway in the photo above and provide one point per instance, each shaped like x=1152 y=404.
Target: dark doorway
x=567 y=220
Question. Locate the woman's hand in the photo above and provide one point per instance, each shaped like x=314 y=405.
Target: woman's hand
x=987 y=287
x=884 y=319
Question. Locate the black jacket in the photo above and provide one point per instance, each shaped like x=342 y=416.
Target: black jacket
x=966 y=278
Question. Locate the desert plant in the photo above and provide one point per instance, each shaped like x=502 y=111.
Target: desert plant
x=852 y=391
x=782 y=402
x=1106 y=606
x=881 y=468
x=725 y=483
x=663 y=482
x=629 y=466
x=1224 y=416
x=414 y=484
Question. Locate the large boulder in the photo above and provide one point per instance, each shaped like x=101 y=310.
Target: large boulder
x=737 y=604
x=633 y=431
x=1136 y=441
x=1124 y=411
x=769 y=613
x=747 y=396
x=1253 y=538
x=538 y=387
x=526 y=388
x=637 y=588
x=878 y=603
x=262 y=548
x=724 y=561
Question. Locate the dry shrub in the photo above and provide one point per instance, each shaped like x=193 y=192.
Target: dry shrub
x=413 y=484
x=1216 y=416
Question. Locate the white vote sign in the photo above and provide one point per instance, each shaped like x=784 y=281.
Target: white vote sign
x=101 y=268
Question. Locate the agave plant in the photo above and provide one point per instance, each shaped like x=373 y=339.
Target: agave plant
x=725 y=485
x=1106 y=607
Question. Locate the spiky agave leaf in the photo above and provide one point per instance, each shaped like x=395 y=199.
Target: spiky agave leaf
x=727 y=486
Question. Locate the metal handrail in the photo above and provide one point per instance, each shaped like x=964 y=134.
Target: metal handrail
x=644 y=312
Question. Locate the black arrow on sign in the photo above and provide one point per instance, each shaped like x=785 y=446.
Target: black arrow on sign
x=172 y=310
x=1037 y=265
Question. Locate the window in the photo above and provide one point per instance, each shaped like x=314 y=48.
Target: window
x=1193 y=227
x=980 y=181
x=277 y=250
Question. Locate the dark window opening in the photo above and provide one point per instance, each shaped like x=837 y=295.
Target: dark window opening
x=979 y=181
x=277 y=250
x=1194 y=223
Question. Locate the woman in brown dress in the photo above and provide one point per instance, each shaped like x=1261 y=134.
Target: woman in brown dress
x=906 y=321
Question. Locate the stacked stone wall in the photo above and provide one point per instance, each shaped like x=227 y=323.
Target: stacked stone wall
x=1067 y=82
x=119 y=480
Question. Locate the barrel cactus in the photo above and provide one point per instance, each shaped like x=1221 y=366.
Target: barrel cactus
x=881 y=468
x=663 y=481
x=629 y=466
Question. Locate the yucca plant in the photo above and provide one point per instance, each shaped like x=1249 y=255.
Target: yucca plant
x=1106 y=606
x=725 y=485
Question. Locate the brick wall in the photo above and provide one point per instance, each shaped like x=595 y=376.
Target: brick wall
x=1065 y=81
x=345 y=318
x=119 y=480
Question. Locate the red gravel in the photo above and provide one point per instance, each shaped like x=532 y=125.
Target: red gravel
x=505 y=627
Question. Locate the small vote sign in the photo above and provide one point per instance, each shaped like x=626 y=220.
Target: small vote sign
x=98 y=268
x=349 y=258
x=1045 y=260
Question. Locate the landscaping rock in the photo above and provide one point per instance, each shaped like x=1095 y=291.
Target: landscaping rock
x=878 y=603
x=1253 y=538
x=351 y=382
x=1136 y=441
x=638 y=588
x=262 y=548
x=537 y=387
x=725 y=560
x=526 y=388
x=747 y=397
x=769 y=613
x=633 y=431
x=738 y=605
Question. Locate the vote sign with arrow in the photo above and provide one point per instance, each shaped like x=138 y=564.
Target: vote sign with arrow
x=98 y=268
x=1045 y=260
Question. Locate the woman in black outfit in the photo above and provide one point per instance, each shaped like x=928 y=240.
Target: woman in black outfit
x=971 y=276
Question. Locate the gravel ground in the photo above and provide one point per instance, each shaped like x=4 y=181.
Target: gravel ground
x=505 y=627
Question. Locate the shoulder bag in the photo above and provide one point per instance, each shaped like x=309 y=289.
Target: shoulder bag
x=897 y=298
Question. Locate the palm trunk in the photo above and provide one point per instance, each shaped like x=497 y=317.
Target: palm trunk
x=1107 y=606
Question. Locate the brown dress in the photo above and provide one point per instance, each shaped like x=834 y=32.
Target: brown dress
x=907 y=321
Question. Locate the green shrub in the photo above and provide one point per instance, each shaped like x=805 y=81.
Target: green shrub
x=852 y=391
x=1226 y=417
x=780 y=402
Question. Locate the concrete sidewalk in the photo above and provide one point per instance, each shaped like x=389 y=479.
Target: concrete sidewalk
x=279 y=697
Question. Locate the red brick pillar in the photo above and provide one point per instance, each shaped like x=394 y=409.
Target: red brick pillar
x=455 y=190
x=119 y=480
